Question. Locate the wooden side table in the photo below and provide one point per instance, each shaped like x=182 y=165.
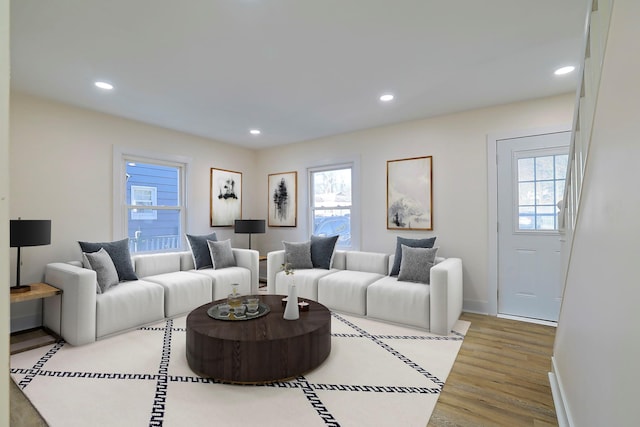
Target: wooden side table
x=36 y=337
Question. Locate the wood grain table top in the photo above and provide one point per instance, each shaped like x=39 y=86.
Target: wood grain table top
x=38 y=290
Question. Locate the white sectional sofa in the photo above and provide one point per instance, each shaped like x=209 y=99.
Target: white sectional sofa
x=358 y=283
x=167 y=285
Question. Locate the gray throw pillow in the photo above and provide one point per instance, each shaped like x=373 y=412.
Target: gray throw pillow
x=416 y=264
x=119 y=253
x=298 y=254
x=106 y=273
x=412 y=243
x=322 y=251
x=200 y=250
x=221 y=254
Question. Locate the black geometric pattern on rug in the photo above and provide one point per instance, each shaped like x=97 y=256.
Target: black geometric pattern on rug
x=316 y=403
x=393 y=351
x=159 y=401
x=163 y=379
x=37 y=368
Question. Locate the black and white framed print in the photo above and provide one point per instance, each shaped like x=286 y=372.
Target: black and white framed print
x=283 y=199
x=409 y=194
x=225 y=197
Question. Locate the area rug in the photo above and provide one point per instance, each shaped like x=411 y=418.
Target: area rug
x=376 y=375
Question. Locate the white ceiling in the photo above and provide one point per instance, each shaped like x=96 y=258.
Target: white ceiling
x=296 y=69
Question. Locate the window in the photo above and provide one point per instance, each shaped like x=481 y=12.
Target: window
x=331 y=202
x=152 y=203
x=144 y=196
x=541 y=183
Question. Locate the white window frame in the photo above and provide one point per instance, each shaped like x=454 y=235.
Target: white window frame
x=143 y=213
x=355 y=198
x=534 y=154
x=122 y=156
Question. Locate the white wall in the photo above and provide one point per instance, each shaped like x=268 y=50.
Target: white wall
x=61 y=169
x=4 y=212
x=597 y=349
x=458 y=145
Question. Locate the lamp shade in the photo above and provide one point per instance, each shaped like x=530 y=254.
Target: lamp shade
x=249 y=226
x=30 y=232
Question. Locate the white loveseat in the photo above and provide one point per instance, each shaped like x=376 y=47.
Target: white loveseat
x=358 y=283
x=167 y=286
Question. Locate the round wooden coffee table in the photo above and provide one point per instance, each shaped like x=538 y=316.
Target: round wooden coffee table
x=259 y=350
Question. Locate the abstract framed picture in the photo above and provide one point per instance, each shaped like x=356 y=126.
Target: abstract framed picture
x=283 y=199
x=225 y=198
x=409 y=194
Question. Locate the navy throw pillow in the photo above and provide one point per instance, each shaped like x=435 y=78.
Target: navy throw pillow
x=119 y=253
x=200 y=250
x=322 y=251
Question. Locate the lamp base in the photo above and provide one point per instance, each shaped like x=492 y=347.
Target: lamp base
x=20 y=289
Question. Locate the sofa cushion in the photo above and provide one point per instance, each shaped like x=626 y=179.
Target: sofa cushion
x=222 y=279
x=399 y=302
x=119 y=253
x=306 y=282
x=371 y=262
x=413 y=243
x=200 y=250
x=183 y=291
x=346 y=290
x=416 y=264
x=298 y=254
x=322 y=249
x=128 y=305
x=221 y=254
x=186 y=261
x=106 y=273
x=154 y=264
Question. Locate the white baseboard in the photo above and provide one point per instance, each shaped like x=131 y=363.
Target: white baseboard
x=484 y=313
x=528 y=319
x=562 y=412
x=475 y=306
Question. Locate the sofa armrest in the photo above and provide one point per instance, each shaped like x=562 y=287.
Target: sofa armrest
x=275 y=260
x=446 y=295
x=248 y=258
x=73 y=314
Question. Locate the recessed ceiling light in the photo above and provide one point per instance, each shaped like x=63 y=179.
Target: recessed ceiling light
x=386 y=97
x=564 y=70
x=104 y=85
x=255 y=132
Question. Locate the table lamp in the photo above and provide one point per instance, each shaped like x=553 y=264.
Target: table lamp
x=249 y=226
x=30 y=232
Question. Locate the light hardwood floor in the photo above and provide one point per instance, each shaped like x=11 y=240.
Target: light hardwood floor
x=500 y=377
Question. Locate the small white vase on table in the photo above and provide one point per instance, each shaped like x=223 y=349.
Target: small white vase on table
x=291 y=310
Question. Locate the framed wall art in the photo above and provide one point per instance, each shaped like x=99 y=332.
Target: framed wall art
x=283 y=199
x=225 y=197
x=409 y=194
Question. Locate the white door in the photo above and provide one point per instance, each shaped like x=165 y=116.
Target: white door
x=531 y=177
